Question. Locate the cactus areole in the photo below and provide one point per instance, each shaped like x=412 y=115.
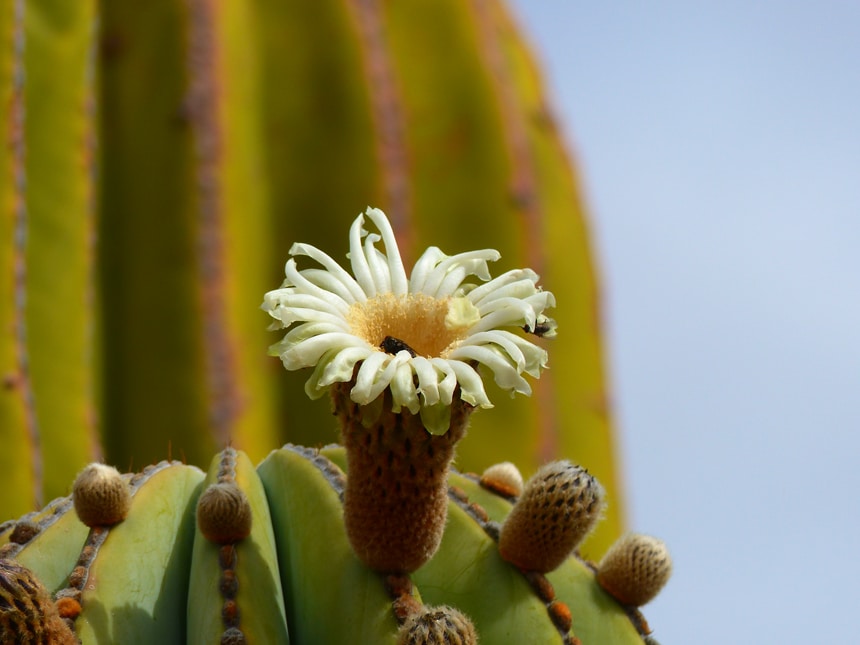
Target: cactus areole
x=398 y=549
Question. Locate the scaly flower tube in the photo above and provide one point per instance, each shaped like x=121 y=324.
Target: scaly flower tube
x=402 y=358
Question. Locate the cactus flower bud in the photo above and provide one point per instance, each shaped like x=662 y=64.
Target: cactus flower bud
x=635 y=569
x=438 y=626
x=101 y=495
x=504 y=479
x=224 y=514
x=559 y=506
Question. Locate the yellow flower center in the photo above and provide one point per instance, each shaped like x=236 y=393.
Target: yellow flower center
x=427 y=325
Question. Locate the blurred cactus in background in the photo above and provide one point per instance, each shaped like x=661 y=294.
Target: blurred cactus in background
x=160 y=158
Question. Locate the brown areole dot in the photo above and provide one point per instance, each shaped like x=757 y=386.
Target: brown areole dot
x=101 y=496
x=224 y=514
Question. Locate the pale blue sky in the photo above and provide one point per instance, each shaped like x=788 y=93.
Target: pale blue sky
x=719 y=146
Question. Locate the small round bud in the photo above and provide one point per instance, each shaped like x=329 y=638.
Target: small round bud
x=504 y=479
x=224 y=514
x=101 y=495
x=635 y=569
x=559 y=506
x=438 y=626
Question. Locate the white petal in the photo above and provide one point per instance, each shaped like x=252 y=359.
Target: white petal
x=342 y=366
x=516 y=289
x=307 y=302
x=429 y=259
x=313 y=387
x=377 y=263
x=506 y=374
x=496 y=337
x=327 y=280
x=308 y=352
x=309 y=329
x=506 y=278
x=366 y=377
x=428 y=380
x=471 y=385
x=306 y=286
x=290 y=315
x=397 y=273
x=403 y=392
x=471 y=263
x=360 y=268
x=534 y=357
x=449 y=381
x=332 y=267
x=517 y=315
x=384 y=378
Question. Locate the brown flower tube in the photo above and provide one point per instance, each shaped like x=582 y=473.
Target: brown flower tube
x=396 y=499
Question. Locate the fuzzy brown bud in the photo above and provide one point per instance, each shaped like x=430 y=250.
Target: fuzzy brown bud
x=224 y=514
x=101 y=496
x=635 y=569
x=27 y=614
x=559 y=506
x=438 y=626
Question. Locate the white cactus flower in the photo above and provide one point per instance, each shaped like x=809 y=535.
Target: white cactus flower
x=420 y=336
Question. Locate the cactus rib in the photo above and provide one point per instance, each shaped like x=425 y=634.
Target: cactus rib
x=235 y=589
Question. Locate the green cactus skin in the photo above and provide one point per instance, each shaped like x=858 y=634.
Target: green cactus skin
x=253 y=581
x=295 y=579
x=48 y=369
x=160 y=158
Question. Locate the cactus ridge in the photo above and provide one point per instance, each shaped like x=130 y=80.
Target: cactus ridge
x=21 y=531
x=96 y=539
x=327 y=468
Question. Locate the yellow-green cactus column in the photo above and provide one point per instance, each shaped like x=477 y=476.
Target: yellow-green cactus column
x=184 y=231
x=48 y=410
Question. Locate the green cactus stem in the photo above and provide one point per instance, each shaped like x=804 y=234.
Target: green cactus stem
x=295 y=578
